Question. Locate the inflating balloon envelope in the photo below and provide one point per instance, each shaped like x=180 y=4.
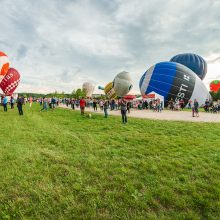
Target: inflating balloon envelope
x=174 y=81
x=109 y=90
x=10 y=81
x=194 y=62
x=89 y=88
x=122 y=83
x=4 y=65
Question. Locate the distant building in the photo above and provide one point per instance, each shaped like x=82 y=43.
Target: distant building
x=97 y=95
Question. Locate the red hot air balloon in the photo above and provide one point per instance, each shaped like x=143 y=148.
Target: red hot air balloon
x=4 y=65
x=10 y=81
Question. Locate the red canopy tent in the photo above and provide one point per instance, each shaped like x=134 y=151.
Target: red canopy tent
x=129 y=97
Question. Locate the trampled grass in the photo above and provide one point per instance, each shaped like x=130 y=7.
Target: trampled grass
x=60 y=165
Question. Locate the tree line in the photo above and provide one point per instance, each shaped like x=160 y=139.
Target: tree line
x=76 y=94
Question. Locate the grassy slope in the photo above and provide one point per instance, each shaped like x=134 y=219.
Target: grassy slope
x=59 y=165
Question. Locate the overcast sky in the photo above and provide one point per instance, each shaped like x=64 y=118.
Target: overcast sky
x=59 y=44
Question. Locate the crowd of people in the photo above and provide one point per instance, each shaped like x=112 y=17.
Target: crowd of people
x=105 y=105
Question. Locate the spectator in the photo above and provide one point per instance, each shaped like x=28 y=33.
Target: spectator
x=20 y=102
x=195 y=109
x=105 y=107
x=95 y=105
x=101 y=104
x=5 y=103
x=124 y=111
x=44 y=104
x=12 y=101
x=82 y=104
x=30 y=101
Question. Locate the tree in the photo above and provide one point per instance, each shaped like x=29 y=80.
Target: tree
x=79 y=94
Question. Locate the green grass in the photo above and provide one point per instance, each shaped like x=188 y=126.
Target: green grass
x=60 y=165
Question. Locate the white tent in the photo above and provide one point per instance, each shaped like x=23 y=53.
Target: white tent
x=153 y=95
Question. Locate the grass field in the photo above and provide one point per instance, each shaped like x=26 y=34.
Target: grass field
x=60 y=165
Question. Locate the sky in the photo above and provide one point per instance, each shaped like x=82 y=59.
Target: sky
x=57 y=45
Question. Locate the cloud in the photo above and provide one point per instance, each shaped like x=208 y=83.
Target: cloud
x=59 y=44
x=214 y=60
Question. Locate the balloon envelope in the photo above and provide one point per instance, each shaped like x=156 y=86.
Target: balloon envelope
x=109 y=91
x=173 y=81
x=4 y=65
x=214 y=85
x=122 y=84
x=10 y=81
x=194 y=62
x=89 y=88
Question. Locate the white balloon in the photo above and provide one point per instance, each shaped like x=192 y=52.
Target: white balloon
x=89 y=88
x=122 y=83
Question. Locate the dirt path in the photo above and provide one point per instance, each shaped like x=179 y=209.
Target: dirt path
x=164 y=115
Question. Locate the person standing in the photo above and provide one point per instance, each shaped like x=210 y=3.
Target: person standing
x=181 y=104
x=105 y=108
x=53 y=102
x=12 y=101
x=73 y=104
x=44 y=104
x=20 y=102
x=82 y=104
x=124 y=111
x=95 y=105
x=196 y=108
x=101 y=105
x=30 y=101
x=128 y=106
x=5 y=102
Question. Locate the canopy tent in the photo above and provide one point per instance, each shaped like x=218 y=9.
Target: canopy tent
x=154 y=95
x=129 y=97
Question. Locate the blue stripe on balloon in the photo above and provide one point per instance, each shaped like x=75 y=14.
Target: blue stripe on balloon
x=162 y=78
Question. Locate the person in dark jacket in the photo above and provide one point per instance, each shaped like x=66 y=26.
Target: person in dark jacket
x=20 y=102
x=105 y=108
x=124 y=111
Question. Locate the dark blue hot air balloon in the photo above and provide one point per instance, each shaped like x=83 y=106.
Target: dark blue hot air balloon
x=173 y=81
x=194 y=62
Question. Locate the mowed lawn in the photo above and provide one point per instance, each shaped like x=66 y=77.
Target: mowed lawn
x=60 y=165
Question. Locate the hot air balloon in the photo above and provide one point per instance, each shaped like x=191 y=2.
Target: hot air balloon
x=173 y=81
x=4 y=65
x=10 y=81
x=214 y=85
x=89 y=88
x=194 y=62
x=109 y=91
x=122 y=84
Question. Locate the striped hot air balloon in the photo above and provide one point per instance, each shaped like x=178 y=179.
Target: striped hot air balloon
x=194 y=62
x=4 y=65
x=109 y=91
x=10 y=82
x=173 y=81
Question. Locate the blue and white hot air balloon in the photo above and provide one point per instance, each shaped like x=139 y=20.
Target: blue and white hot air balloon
x=194 y=62
x=173 y=81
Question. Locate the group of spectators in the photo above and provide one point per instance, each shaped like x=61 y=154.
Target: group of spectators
x=20 y=101
x=211 y=107
x=105 y=105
